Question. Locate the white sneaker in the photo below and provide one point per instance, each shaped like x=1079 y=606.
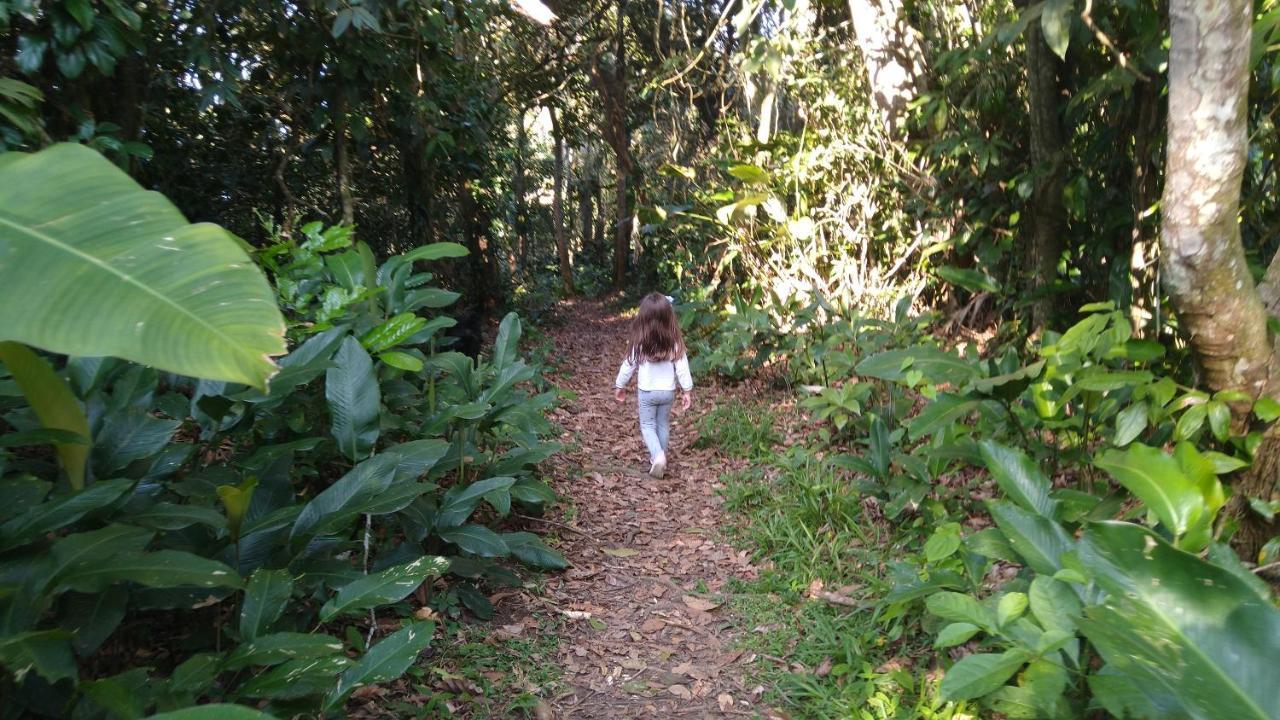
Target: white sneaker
x=658 y=469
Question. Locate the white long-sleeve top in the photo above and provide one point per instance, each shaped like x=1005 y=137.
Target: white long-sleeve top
x=656 y=376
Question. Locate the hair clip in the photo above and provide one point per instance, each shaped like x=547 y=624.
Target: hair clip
x=670 y=299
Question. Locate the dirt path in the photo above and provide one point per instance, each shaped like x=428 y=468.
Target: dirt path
x=644 y=636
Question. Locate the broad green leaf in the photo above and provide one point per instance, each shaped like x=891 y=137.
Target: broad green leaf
x=196 y=674
x=48 y=395
x=1037 y=539
x=1130 y=422
x=967 y=278
x=108 y=268
x=1219 y=419
x=506 y=345
x=82 y=11
x=392 y=332
x=750 y=174
x=1045 y=680
x=477 y=540
x=1056 y=23
x=97 y=546
x=1011 y=607
x=1182 y=626
x=338 y=503
x=1100 y=379
x=531 y=550
x=1121 y=696
x=1190 y=422
x=1019 y=477
x=415 y=458
x=532 y=492
x=945 y=410
x=959 y=607
x=435 y=251
x=129 y=436
x=1267 y=409
x=401 y=361
x=384 y=588
x=169 y=516
x=396 y=498
x=936 y=365
x=460 y=501
x=278 y=647
x=214 y=711
x=1158 y=481
x=944 y=541
x=1224 y=464
x=385 y=661
x=1054 y=604
x=42 y=436
x=265 y=597
x=296 y=678
x=159 y=569
x=45 y=652
x=61 y=511
x=978 y=675
x=92 y=618
x=352 y=390
x=991 y=543
x=955 y=634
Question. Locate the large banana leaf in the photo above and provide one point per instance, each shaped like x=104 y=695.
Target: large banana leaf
x=1181 y=627
x=91 y=264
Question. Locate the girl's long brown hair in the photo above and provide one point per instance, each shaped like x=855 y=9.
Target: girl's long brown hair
x=655 y=333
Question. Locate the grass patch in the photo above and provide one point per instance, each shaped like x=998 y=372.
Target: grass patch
x=811 y=534
x=482 y=674
x=739 y=429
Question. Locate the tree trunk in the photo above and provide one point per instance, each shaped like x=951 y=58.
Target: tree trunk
x=518 y=188
x=1144 y=251
x=586 y=192
x=557 y=204
x=1048 y=159
x=601 y=222
x=1219 y=309
x=611 y=84
x=343 y=158
x=892 y=55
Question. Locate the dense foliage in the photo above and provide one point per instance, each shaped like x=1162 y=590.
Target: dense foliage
x=256 y=531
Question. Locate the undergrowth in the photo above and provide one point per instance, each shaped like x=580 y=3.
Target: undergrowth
x=816 y=541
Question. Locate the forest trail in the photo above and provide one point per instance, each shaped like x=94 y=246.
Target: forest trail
x=648 y=557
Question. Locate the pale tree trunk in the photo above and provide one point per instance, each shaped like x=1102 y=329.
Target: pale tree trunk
x=1219 y=310
x=1048 y=159
x=892 y=54
x=557 y=204
x=1144 y=253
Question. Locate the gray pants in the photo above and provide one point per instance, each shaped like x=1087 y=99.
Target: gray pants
x=655 y=420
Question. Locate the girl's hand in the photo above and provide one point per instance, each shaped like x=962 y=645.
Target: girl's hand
x=619 y=394
x=686 y=399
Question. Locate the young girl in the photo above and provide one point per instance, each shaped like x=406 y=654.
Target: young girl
x=657 y=352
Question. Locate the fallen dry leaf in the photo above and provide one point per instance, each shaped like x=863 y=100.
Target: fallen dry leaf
x=621 y=552
x=725 y=701
x=697 y=603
